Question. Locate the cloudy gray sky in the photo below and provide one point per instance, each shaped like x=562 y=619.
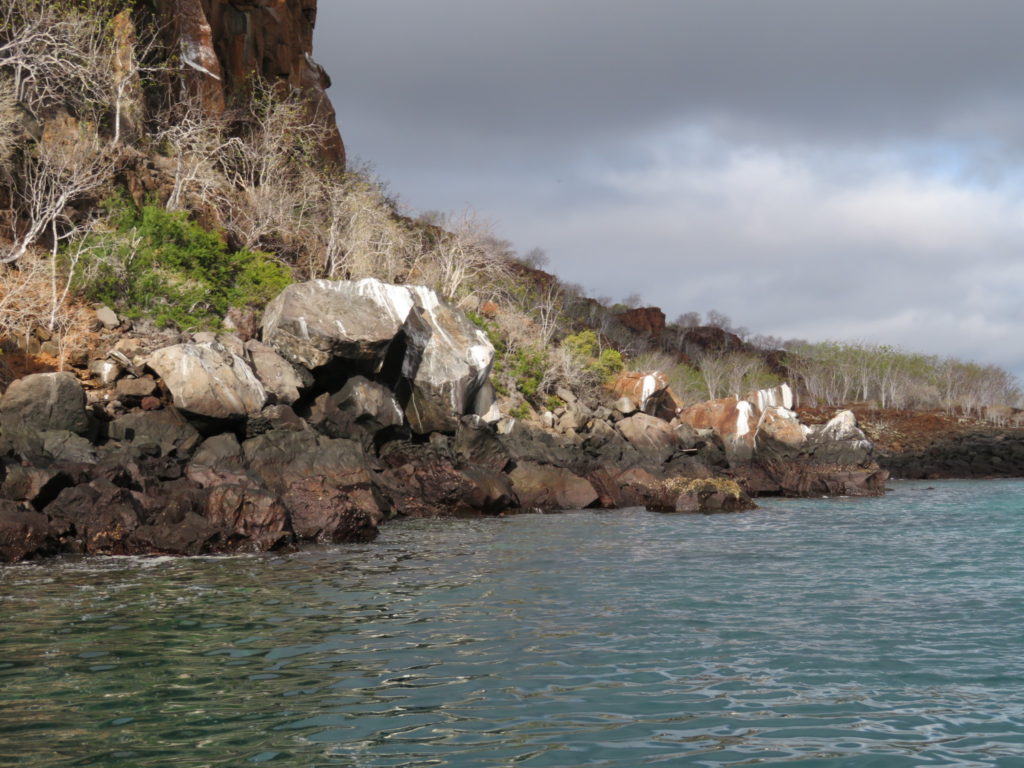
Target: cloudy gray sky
x=848 y=169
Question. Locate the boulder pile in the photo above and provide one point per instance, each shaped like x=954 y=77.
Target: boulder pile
x=362 y=401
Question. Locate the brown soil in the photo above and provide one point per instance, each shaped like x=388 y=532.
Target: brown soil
x=894 y=431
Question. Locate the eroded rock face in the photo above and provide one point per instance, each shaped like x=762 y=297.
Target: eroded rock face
x=207 y=380
x=646 y=321
x=222 y=43
x=44 y=401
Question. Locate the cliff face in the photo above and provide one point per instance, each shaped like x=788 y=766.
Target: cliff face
x=224 y=42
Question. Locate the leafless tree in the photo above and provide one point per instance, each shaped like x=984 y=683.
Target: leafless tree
x=64 y=167
x=8 y=121
x=547 y=311
x=466 y=261
x=196 y=141
x=57 y=53
x=714 y=369
x=268 y=163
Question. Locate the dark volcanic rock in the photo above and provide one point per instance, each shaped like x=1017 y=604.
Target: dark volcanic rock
x=25 y=533
x=491 y=492
x=166 y=430
x=324 y=483
x=549 y=487
x=40 y=484
x=253 y=517
x=800 y=479
x=100 y=515
x=977 y=454
x=421 y=480
x=61 y=445
x=44 y=401
x=477 y=443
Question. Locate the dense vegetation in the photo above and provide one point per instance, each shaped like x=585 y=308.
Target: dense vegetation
x=243 y=205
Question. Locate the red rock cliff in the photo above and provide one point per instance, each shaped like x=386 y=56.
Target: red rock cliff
x=223 y=42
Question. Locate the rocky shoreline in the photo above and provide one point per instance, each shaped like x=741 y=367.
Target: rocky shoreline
x=359 y=403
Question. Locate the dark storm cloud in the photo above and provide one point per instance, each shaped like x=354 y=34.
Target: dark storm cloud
x=818 y=169
x=571 y=69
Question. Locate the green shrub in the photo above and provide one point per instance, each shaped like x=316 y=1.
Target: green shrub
x=583 y=344
x=584 y=347
x=488 y=328
x=527 y=368
x=608 y=364
x=521 y=411
x=156 y=263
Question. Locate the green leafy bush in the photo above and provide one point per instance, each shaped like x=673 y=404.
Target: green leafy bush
x=521 y=411
x=156 y=263
x=608 y=364
x=584 y=347
x=527 y=368
x=583 y=344
x=488 y=328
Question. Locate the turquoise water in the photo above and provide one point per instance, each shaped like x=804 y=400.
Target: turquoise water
x=881 y=632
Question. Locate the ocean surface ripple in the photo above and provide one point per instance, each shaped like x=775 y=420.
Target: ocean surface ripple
x=882 y=632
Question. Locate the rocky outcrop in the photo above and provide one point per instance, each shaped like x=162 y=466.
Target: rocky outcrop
x=762 y=427
x=223 y=43
x=316 y=322
x=280 y=378
x=429 y=354
x=363 y=402
x=734 y=421
x=706 y=339
x=644 y=321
